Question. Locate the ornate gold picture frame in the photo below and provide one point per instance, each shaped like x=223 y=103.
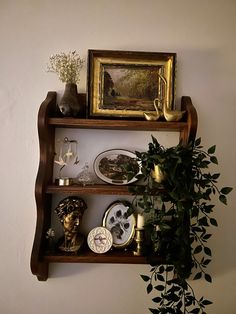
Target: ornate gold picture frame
x=125 y=83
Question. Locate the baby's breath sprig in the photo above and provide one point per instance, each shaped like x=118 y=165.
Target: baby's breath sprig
x=67 y=66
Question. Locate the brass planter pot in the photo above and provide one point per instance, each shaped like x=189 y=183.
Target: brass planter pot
x=157 y=174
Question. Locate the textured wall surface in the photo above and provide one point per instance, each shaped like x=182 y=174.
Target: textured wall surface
x=202 y=33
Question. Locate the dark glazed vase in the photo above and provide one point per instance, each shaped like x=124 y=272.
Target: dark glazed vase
x=69 y=104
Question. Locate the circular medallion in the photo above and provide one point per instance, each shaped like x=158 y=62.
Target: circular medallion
x=100 y=240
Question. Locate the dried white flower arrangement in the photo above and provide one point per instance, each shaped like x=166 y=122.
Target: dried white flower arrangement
x=66 y=66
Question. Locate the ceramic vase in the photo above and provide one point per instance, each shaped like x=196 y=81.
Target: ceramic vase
x=69 y=104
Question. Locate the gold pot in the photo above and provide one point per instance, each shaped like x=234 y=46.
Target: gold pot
x=157 y=174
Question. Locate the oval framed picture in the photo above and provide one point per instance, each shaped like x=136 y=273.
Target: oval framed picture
x=117 y=166
x=121 y=226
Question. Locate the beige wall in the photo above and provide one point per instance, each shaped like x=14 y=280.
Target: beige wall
x=203 y=35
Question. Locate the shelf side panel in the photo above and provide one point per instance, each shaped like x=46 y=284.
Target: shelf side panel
x=39 y=267
x=188 y=134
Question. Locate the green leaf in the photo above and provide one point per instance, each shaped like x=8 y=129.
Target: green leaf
x=208 y=278
x=161 y=269
x=216 y=176
x=175 y=297
x=213 y=222
x=198 y=249
x=203 y=221
x=206 y=262
x=176 y=288
x=207 y=236
x=206 y=302
x=160 y=277
x=226 y=190
x=196 y=229
x=223 y=199
x=157 y=300
x=207 y=209
x=198 y=141
x=169 y=268
x=154 y=311
x=179 y=305
x=214 y=160
x=159 y=287
x=207 y=251
x=149 y=288
x=197 y=276
x=145 y=278
x=212 y=149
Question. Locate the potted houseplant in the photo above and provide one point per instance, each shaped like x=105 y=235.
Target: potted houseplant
x=177 y=195
x=68 y=66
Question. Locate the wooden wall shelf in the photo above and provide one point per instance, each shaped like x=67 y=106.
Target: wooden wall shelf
x=48 y=121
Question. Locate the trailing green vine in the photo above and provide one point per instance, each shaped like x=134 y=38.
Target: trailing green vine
x=180 y=213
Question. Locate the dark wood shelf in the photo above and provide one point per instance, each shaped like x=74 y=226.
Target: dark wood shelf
x=48 y=121
x=104 y=189
x=87 y=256
x=117 y=124
x=96 y=189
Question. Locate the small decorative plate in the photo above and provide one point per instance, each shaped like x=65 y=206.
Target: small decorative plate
x=100 y=240
x=121 y=226
x=110 y=166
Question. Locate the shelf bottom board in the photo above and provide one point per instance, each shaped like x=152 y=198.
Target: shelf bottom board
x=109 y=258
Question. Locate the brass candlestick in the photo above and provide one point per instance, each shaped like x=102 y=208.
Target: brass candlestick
x=139 y=239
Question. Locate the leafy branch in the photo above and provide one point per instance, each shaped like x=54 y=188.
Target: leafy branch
x=180 y=214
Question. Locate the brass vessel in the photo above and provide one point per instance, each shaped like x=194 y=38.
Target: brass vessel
x=157 y=174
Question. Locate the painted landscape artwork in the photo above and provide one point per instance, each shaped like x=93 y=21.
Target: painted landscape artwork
x=130 y=87
x=113 y=166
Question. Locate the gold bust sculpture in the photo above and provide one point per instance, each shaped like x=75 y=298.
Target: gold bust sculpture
x=70 y=211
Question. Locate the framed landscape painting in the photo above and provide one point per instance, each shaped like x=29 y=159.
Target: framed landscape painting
x=125 y=83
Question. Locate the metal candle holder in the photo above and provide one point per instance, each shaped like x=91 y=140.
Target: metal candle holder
x=139 y=239
x=63 y=181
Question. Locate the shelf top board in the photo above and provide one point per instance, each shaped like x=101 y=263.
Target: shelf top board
x=117 y=124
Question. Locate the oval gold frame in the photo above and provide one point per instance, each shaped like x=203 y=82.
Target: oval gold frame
x=120 y=226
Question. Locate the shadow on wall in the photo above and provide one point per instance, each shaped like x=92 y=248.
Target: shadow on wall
x=57 y=270
x=207 y=77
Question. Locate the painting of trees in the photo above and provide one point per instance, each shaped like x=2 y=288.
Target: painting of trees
x=131 y=84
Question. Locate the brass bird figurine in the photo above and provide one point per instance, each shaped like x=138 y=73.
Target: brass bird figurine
x=170 y=115
x=152 y=116
x=159 y=106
